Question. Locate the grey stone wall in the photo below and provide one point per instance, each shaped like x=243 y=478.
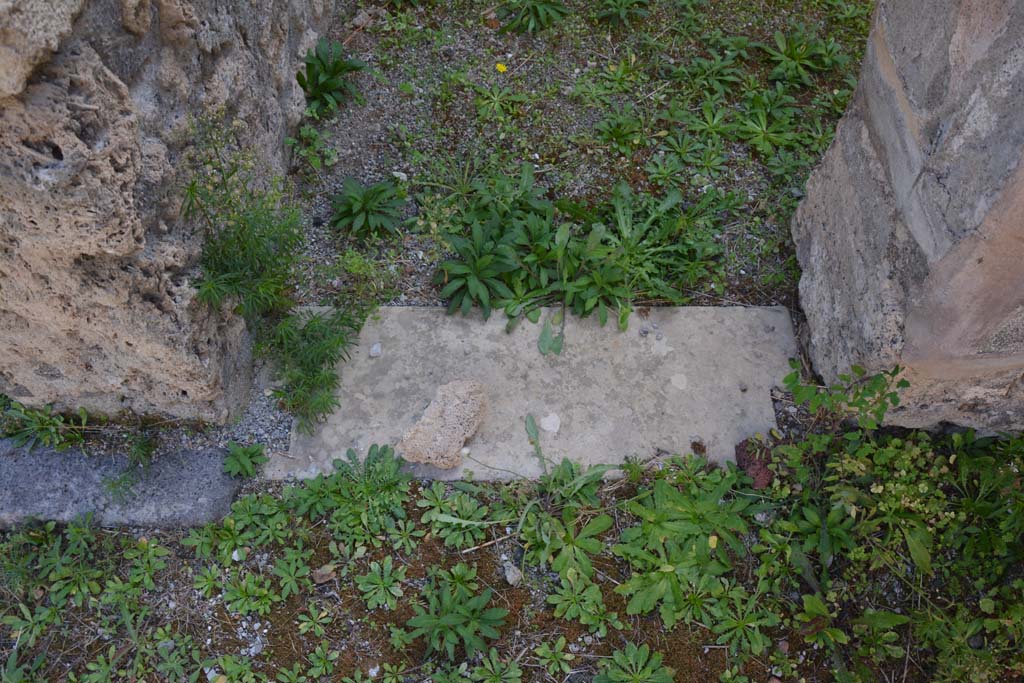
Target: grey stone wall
x=911 y=236
x=96 y=305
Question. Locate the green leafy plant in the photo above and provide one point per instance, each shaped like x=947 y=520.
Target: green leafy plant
x=558 y=542
x=740 y=623
x=460 y=522
x=865 y=397
x=475 y=278
x=493 y=669
x=311 y=147
x=250 y=234
x=634 y=665
x=711 y=76
x=293 y=572
x=658 y=249
x=381 y=586
x=322 y=660
x=404 y=535
x=326 y=77
x=314 y=620
x=147 y=559
x=532 y=16
x=763 y=134
x=818 y=629
x=826 y=532
x=372 y=281
x=367 y=210
x=623 y=12
x=799 y=54
x=579 y=599
x=243 y=461
x=294 y=674
x=496 y=103
x=554 y=658
x=246 y=593
x=622 y=130
x=450 y=617
x=207 y=581
x=309 y=346
x=30 y=427
x=677 y=542
x=711 y=123
x=520 y=258
x=251 y=241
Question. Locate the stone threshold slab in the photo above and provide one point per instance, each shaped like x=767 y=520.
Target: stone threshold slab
x=677 y=376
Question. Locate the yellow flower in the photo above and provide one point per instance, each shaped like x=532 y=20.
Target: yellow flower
x=713 y=541
x=501 y=67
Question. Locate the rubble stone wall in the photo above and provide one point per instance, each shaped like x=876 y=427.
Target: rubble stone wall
x=96 y=96
x=911 y=235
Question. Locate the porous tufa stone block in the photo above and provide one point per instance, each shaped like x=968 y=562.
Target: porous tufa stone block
x=450 y=420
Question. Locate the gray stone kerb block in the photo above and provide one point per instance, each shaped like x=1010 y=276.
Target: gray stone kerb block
x=677 y=376
x=182 y=489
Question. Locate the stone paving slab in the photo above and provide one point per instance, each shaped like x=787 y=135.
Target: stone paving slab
x=187 y=488
x=682 y=375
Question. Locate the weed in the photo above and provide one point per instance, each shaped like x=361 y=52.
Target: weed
x=496 y=103
x=381 y=587
x=325 y=79
x=460 y=520
x=799 y=54
x=246 y=593
x=250 y=234
x=314 y=620
x=622 y=130
x=367 y=210
x=365 y=280
x=549 y=540
x=763 y=134
x=311 y=147
x=293 y=573
x=866 y=543
x=28 y=427
x=308 y=348
x=623 y=12
x=452 y=617
x=242 y=461
x=476 y=275
x=517 y=257
x=554 y=658
x=634 y=665
x=532 y=16
x=404 y=535
x=322 y=660
x=493 y=669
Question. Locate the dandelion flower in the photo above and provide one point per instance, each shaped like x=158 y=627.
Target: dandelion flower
x=500 y=66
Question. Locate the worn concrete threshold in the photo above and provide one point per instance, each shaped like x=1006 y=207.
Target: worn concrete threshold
x=677 y=377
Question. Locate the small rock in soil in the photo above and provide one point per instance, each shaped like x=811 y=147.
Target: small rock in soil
x=513 y=575
x=323 y=574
